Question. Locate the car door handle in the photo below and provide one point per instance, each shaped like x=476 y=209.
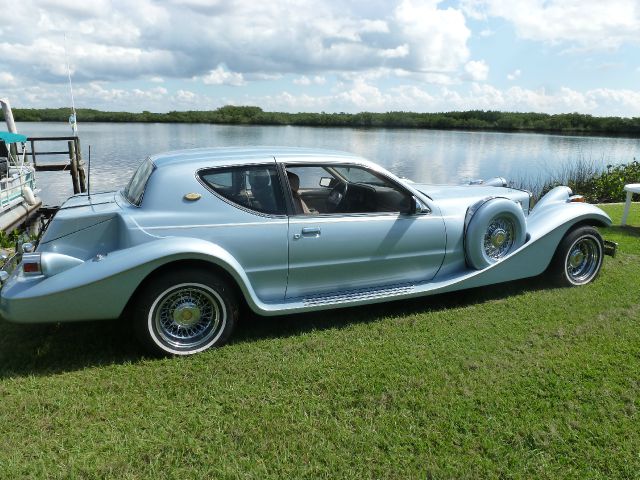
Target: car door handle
x=311 y=232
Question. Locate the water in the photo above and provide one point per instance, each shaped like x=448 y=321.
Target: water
x=429 y=156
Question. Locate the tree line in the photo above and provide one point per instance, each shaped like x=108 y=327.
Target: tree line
x=468 y=120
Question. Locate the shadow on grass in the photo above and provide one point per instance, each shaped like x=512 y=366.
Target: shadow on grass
x=254 y=327
x=49 y=349
x=626 y=230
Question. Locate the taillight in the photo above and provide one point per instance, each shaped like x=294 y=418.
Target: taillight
x=31 y=264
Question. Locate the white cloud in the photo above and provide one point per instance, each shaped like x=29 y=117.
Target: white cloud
x=513 y=75
x=398 y=52
x=436 y=38
x=119 y=39
x=7 y=80
x=185 y=96
x=477 y=71
x=304 y=80
x=589 y=23
x=221 y=76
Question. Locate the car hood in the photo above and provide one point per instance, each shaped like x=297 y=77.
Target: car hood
x=463 y=196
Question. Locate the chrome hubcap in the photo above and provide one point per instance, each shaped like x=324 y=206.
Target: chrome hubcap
x=576 y=258
x=583 y=260
x=499 y=237
x=188 y=316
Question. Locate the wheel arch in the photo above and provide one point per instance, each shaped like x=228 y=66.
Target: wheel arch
x=187 y=263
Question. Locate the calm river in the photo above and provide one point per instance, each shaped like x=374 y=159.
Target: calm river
x=430 y=156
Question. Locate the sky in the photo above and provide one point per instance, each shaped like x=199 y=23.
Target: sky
x=550 y=56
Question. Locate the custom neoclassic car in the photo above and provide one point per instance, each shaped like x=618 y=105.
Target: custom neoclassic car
x=197 y=233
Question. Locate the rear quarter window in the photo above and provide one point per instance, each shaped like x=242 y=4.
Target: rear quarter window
x=134 y=191
x=256 y=187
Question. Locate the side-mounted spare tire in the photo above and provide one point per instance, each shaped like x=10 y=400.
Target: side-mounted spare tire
x=496 y=228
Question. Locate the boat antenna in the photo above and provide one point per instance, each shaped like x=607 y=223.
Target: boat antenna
x=89 y=175
x=73 y=119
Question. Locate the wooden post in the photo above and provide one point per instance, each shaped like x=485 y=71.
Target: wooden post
x=33 y=152
x=82 y=180
x=73 y=161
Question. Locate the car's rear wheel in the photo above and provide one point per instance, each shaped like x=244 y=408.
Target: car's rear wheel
x=578 y=258
x=185 y=312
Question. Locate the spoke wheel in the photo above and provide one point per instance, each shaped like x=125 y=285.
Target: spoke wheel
x=185 y=312
x=494 y=229
x=499 y=237
x=188 y=316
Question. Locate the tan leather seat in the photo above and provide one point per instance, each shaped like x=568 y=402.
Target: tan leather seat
x=294 y=183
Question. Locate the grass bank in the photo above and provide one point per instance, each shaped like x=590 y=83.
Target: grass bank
x=519 y=380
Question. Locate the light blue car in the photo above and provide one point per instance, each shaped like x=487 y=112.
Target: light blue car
x=198 y=233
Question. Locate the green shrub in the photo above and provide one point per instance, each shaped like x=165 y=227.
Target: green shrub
x=585 y=178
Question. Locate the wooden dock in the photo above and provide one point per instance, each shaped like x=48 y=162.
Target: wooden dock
x=73 y=161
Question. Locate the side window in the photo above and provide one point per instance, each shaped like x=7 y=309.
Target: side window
x=339 y=189
x=256 y=187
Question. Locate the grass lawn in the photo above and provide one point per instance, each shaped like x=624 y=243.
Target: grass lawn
x=519 y=380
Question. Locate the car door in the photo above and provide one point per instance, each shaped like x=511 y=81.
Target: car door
x=363 y=245
x=250 y=222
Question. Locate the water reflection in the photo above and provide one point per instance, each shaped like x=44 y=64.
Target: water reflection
x=430 y=156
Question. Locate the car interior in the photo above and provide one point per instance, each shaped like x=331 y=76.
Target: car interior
x=343 y=189
x=315 y=189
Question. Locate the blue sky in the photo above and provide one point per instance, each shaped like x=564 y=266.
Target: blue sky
x=303 y=55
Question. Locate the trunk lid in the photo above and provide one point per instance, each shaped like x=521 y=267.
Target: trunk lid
x=80 y=212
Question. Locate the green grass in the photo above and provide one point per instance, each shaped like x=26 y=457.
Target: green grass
x=520 y=381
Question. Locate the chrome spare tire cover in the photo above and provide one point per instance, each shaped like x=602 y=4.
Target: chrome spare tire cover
x=495 y=229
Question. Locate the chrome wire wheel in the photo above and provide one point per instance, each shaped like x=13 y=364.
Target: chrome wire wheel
x=188 y=317
x=583 y=260
x=499 y=237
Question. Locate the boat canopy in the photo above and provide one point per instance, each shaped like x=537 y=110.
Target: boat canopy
x=8 y=137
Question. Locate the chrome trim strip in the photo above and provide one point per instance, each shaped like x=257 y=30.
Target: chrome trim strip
x=213 y=225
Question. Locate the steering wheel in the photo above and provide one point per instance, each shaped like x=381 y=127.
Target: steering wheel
x=337 y=196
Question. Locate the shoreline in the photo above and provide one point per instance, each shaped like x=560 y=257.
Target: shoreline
x=572 y=124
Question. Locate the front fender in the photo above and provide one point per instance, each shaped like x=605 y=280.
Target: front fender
x=100 y=289
x=555 y=211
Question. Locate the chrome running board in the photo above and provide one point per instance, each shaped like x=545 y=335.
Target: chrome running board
x=357 y=295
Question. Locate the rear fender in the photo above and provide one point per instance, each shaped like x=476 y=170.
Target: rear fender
x=100 y=288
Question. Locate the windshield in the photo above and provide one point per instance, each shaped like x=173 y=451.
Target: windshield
x=134 y=191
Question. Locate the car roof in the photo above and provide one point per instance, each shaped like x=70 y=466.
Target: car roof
x=240 y=155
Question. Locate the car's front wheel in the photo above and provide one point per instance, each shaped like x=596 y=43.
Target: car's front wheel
x=578 y=258
x=184 y=312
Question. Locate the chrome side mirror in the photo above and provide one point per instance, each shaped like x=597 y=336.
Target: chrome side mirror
x=417 y=207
